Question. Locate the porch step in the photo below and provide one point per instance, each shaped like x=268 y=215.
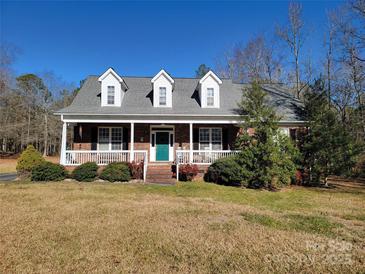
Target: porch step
x=162 y=174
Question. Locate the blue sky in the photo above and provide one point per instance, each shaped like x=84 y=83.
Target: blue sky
x=76 y=39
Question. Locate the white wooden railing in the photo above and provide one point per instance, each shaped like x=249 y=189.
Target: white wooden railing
x=78 y=157
x=200 y=157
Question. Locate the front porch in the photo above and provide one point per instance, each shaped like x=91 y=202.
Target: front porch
x=154 y=143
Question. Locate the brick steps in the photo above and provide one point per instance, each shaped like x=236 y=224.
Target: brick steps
x=160 y=173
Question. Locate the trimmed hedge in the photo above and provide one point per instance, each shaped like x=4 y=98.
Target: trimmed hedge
x=116 y=172
x=86 y=172
x=225 y=171
x=29 y=159
x=48 y=171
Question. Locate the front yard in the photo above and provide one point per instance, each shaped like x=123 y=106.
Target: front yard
x=190 y=227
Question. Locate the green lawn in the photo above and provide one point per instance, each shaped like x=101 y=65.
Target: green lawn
x=190 y=227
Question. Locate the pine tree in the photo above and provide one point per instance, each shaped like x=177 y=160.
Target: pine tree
x=202 y=70
x=267 y=155
x=328 y=148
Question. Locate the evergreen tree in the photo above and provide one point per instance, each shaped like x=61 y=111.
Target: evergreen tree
x=201 y=71
x=328 y=148
x=266 y=154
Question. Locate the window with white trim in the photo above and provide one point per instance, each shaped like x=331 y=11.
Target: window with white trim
x=210 y=139
x=210 y=97
x=162 y=96
x=110 y=138
x=111 y=95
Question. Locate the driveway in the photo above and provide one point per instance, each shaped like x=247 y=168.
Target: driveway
x=7 y=176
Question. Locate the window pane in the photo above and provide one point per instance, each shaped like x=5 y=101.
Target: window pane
x=216 y=135
x=162 y=96
x=204 y=135
x=204 y=146
x=210 y=97
x=116 y=138
x=111 y=95
x=216 y=146
x=103 y=138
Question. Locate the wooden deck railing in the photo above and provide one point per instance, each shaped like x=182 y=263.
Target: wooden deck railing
x=78 y=157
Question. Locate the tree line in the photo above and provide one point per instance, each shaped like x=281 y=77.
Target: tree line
x=279 y=57
x=27 y=103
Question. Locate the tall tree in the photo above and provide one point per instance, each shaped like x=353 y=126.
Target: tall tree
x=33 y=90
x=293 y=35
x=256 y=60
x=265 y=152
x=201 y=71
x=328 y=148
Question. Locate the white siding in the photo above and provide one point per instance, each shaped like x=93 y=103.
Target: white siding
x=111 y=80
x=162 y=81
x=209 y=82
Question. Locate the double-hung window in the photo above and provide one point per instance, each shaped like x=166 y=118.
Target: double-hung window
x=110 y=138
x=111 y=95
x=162 y=96
x=210 y=97
x=210 y=138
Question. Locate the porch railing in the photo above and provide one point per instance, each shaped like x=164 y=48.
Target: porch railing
x=200 y=157
x=78 y=157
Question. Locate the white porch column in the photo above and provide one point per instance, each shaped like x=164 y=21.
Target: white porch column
x=63 y=144
x=132 y=142
x=191 y=142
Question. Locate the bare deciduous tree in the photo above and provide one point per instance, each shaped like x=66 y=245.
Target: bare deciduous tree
x=293 y=35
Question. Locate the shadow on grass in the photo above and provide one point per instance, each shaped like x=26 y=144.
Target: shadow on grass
x=296 y=222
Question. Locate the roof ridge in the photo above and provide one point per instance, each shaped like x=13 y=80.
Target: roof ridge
x=135 y=76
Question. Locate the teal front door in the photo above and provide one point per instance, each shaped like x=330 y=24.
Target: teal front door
x=162 y=146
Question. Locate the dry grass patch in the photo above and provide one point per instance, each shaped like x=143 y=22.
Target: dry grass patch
x=193 y=227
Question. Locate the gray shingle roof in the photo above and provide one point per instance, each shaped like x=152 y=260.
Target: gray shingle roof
x=185 y=99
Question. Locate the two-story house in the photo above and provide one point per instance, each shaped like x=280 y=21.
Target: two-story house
x=160 y=120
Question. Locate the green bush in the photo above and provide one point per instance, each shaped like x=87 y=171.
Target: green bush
x=86 y=172
x=29 y=159
x=116 y=172
x=48 y=171
x=226 y=171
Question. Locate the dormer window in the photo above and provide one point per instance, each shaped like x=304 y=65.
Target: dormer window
x=209 y=90
x=111 y=95
x=162 y=96
x=112 y=89
x=210 y=97
x=162 y=85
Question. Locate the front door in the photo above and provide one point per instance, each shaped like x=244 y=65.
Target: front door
x=162 y=146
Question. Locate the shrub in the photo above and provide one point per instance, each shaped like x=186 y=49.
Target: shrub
x=225 y=171
x=48 y=171
x=136 y=170
x=116 y=172
x=188 y=172
x=29 y=159
x=86 y=172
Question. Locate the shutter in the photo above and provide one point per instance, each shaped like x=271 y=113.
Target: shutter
x=195 y=138
x=126 y=138
x=76 y=134
x=94 y=138
x=225 y=138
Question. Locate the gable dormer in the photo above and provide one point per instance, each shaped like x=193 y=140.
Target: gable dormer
x=209 y=90
x=163 y=86
x=113 y=88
